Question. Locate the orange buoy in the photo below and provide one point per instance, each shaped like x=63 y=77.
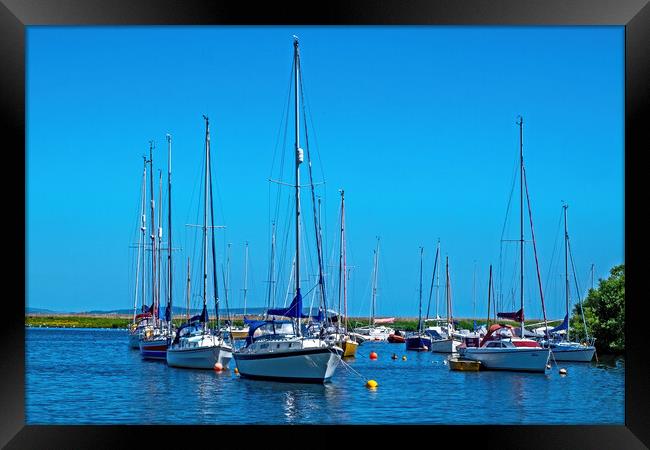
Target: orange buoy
x=236 y=371
x=373 y=355
x=218 y=367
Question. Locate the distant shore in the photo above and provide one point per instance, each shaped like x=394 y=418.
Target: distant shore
x=122 y=321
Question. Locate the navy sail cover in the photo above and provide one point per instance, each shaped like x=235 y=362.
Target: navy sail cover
x=294 y=310
x=563 y=326
x=516 y=316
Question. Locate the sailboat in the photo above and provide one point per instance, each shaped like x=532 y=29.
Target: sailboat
x=154 y=342
x=373 y=332
x=560 y=343
x=278 y=349
x=143 y=321
x=195 y=345
x=419 y=340
x=443 y=341
x=341 y=337
x=500 y=349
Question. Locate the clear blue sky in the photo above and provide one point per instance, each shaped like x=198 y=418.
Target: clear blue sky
x=417 y=124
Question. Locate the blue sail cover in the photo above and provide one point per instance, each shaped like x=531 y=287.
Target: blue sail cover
x=294 y=310
x=563 y=326
x=204 y=315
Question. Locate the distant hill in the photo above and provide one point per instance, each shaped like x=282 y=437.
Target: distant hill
x=40 y=311
x=176 y=310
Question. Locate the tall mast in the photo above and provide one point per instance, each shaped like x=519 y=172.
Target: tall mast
x=159 y=232
x=153 y=235
x=447 y=293
x=187 y=310
x=245 y=274
x=299 y=159
x=438 y=284
x=227 y=281
x=521 y=218
x=420 y=308
x=169 y=226
x=566 y=265
x=215 y=286
x=205 y=216
x=141 y=240
x=489 y=294
x=271 y=293
x=474 y=292
x=345 y=274
x=374 y=284
x=341 y=267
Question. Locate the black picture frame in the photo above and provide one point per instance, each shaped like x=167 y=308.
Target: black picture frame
x=15 y=15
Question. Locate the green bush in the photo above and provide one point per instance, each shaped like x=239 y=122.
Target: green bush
x=604 y=310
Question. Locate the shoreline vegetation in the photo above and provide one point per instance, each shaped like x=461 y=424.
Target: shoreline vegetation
x=122 y=321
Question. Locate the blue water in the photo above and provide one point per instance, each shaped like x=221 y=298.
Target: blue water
x=90 y=376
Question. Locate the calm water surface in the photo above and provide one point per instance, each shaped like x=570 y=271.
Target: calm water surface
x=90 y=376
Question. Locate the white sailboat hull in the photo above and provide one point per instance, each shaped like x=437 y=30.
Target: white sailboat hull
x=516 y=359
x=444 y=346
x=312 y=365
x=199 y=358
x=199 y=352
x=577 y=353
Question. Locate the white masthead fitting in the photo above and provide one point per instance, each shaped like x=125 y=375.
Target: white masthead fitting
x=300 y=155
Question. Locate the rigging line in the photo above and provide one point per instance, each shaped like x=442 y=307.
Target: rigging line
x=532 y=232
x=283 y=257
x=435 y=265
x=550 y=266
x=313 y=199
x=575 y=278
x=283 y=153
x=505 y=221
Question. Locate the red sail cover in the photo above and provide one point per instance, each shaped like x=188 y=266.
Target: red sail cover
x=516 y=316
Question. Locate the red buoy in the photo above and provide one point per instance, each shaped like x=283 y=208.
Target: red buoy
x=373 y=355
x=218 y=367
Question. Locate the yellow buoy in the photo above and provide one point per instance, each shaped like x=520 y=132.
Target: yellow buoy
x=404 y=358
x=562 y=371
x=372 y=384
x=236 y=370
